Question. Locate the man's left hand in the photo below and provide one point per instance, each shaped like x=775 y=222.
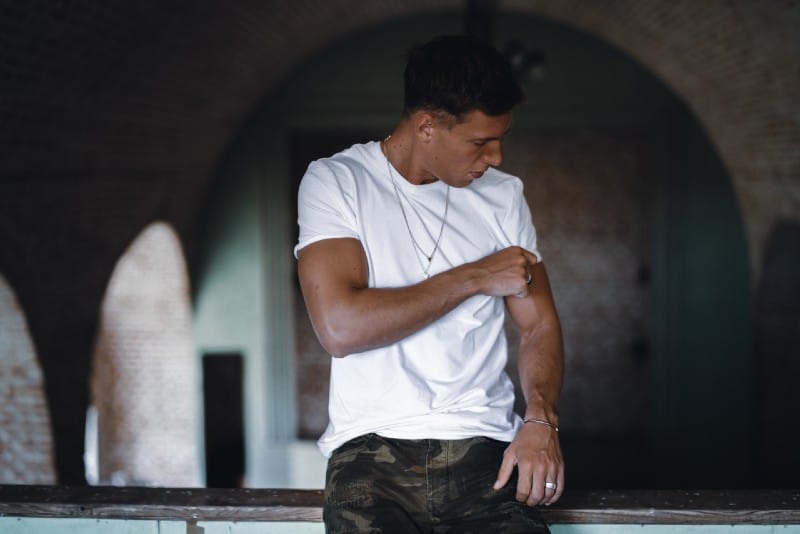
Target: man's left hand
x=536 y=453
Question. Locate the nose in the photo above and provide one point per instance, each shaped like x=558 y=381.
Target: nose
x=493 y=153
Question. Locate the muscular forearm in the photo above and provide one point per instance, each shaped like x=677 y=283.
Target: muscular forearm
x=541 y=352
x=541 y=370
x=367 y=318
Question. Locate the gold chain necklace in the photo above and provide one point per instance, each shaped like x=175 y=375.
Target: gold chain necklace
x=417 y=247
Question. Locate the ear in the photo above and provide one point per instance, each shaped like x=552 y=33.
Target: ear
x=424 y=125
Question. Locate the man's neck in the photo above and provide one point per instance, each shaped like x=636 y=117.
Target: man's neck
x=401 y=149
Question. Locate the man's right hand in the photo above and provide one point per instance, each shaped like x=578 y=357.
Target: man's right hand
x=506 y=273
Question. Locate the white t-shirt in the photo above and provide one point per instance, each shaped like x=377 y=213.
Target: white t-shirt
x=446 y=381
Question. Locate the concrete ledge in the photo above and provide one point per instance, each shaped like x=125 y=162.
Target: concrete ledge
x=762 y=507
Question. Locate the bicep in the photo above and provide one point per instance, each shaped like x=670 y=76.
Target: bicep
x=329 y=271
x=537 y=308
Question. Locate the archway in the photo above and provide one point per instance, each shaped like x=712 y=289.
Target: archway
x=26 y=455
x=144 y=380
x=658 y=171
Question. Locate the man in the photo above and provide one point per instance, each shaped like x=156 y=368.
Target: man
x=409 y=248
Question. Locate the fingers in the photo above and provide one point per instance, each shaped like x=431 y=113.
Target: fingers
x=560 y=488
x=534 y=485
x=526 y=270
x=539 y=481
x=530 y=256
x=524 y=485
x=554 y=483
x=530 y=275
x=530 y=480
x=536 y=488
x=504 y=473
x=554 y=486
x=543 y=486
x=509 y=272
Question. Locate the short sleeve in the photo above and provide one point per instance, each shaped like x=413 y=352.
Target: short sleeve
x=519 y=224
x=322 y=208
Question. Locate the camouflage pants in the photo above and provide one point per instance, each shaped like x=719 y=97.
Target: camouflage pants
x=377 y=484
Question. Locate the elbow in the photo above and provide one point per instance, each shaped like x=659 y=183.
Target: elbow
x=337 y=350
x=341 y=329
x=335 y=341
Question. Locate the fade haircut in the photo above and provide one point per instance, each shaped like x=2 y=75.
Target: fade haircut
x=456 y=74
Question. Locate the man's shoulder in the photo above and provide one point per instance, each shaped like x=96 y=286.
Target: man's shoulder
x=340 y=172
x=355 y=158
x=496 y=182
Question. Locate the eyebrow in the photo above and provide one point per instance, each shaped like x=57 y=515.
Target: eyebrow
x=484 y=138
x=492 y=138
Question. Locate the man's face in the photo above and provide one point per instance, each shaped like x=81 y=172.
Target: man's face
x=461 y=153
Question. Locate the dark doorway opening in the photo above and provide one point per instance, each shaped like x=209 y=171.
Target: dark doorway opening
x=223 y=417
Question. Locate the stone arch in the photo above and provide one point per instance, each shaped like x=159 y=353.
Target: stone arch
x=629 y=373
x=26 y=448
x=144 y=373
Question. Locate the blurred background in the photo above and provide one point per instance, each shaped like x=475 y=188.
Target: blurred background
x=152 y=331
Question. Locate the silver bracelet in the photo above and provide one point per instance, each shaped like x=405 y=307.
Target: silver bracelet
x=541 y=422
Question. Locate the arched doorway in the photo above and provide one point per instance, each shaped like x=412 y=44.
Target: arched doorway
x=26 y=447
x=642 y=215
x=144 y=379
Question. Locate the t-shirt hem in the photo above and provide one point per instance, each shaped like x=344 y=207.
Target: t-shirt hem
x=327 y=446
x=300 y=246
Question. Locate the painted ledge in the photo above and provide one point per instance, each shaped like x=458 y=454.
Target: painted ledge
x=762 y=507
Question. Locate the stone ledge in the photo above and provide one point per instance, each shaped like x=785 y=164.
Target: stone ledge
x=767 y=507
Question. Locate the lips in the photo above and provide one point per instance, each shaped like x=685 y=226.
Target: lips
x=476 y=174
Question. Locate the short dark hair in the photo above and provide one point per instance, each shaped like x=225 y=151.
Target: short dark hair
x=458 y=74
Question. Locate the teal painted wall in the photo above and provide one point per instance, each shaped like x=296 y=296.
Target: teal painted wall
x=704 y=379
x=227 y=317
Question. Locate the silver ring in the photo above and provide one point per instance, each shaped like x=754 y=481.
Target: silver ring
x=550 y=485
x=530 y=279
